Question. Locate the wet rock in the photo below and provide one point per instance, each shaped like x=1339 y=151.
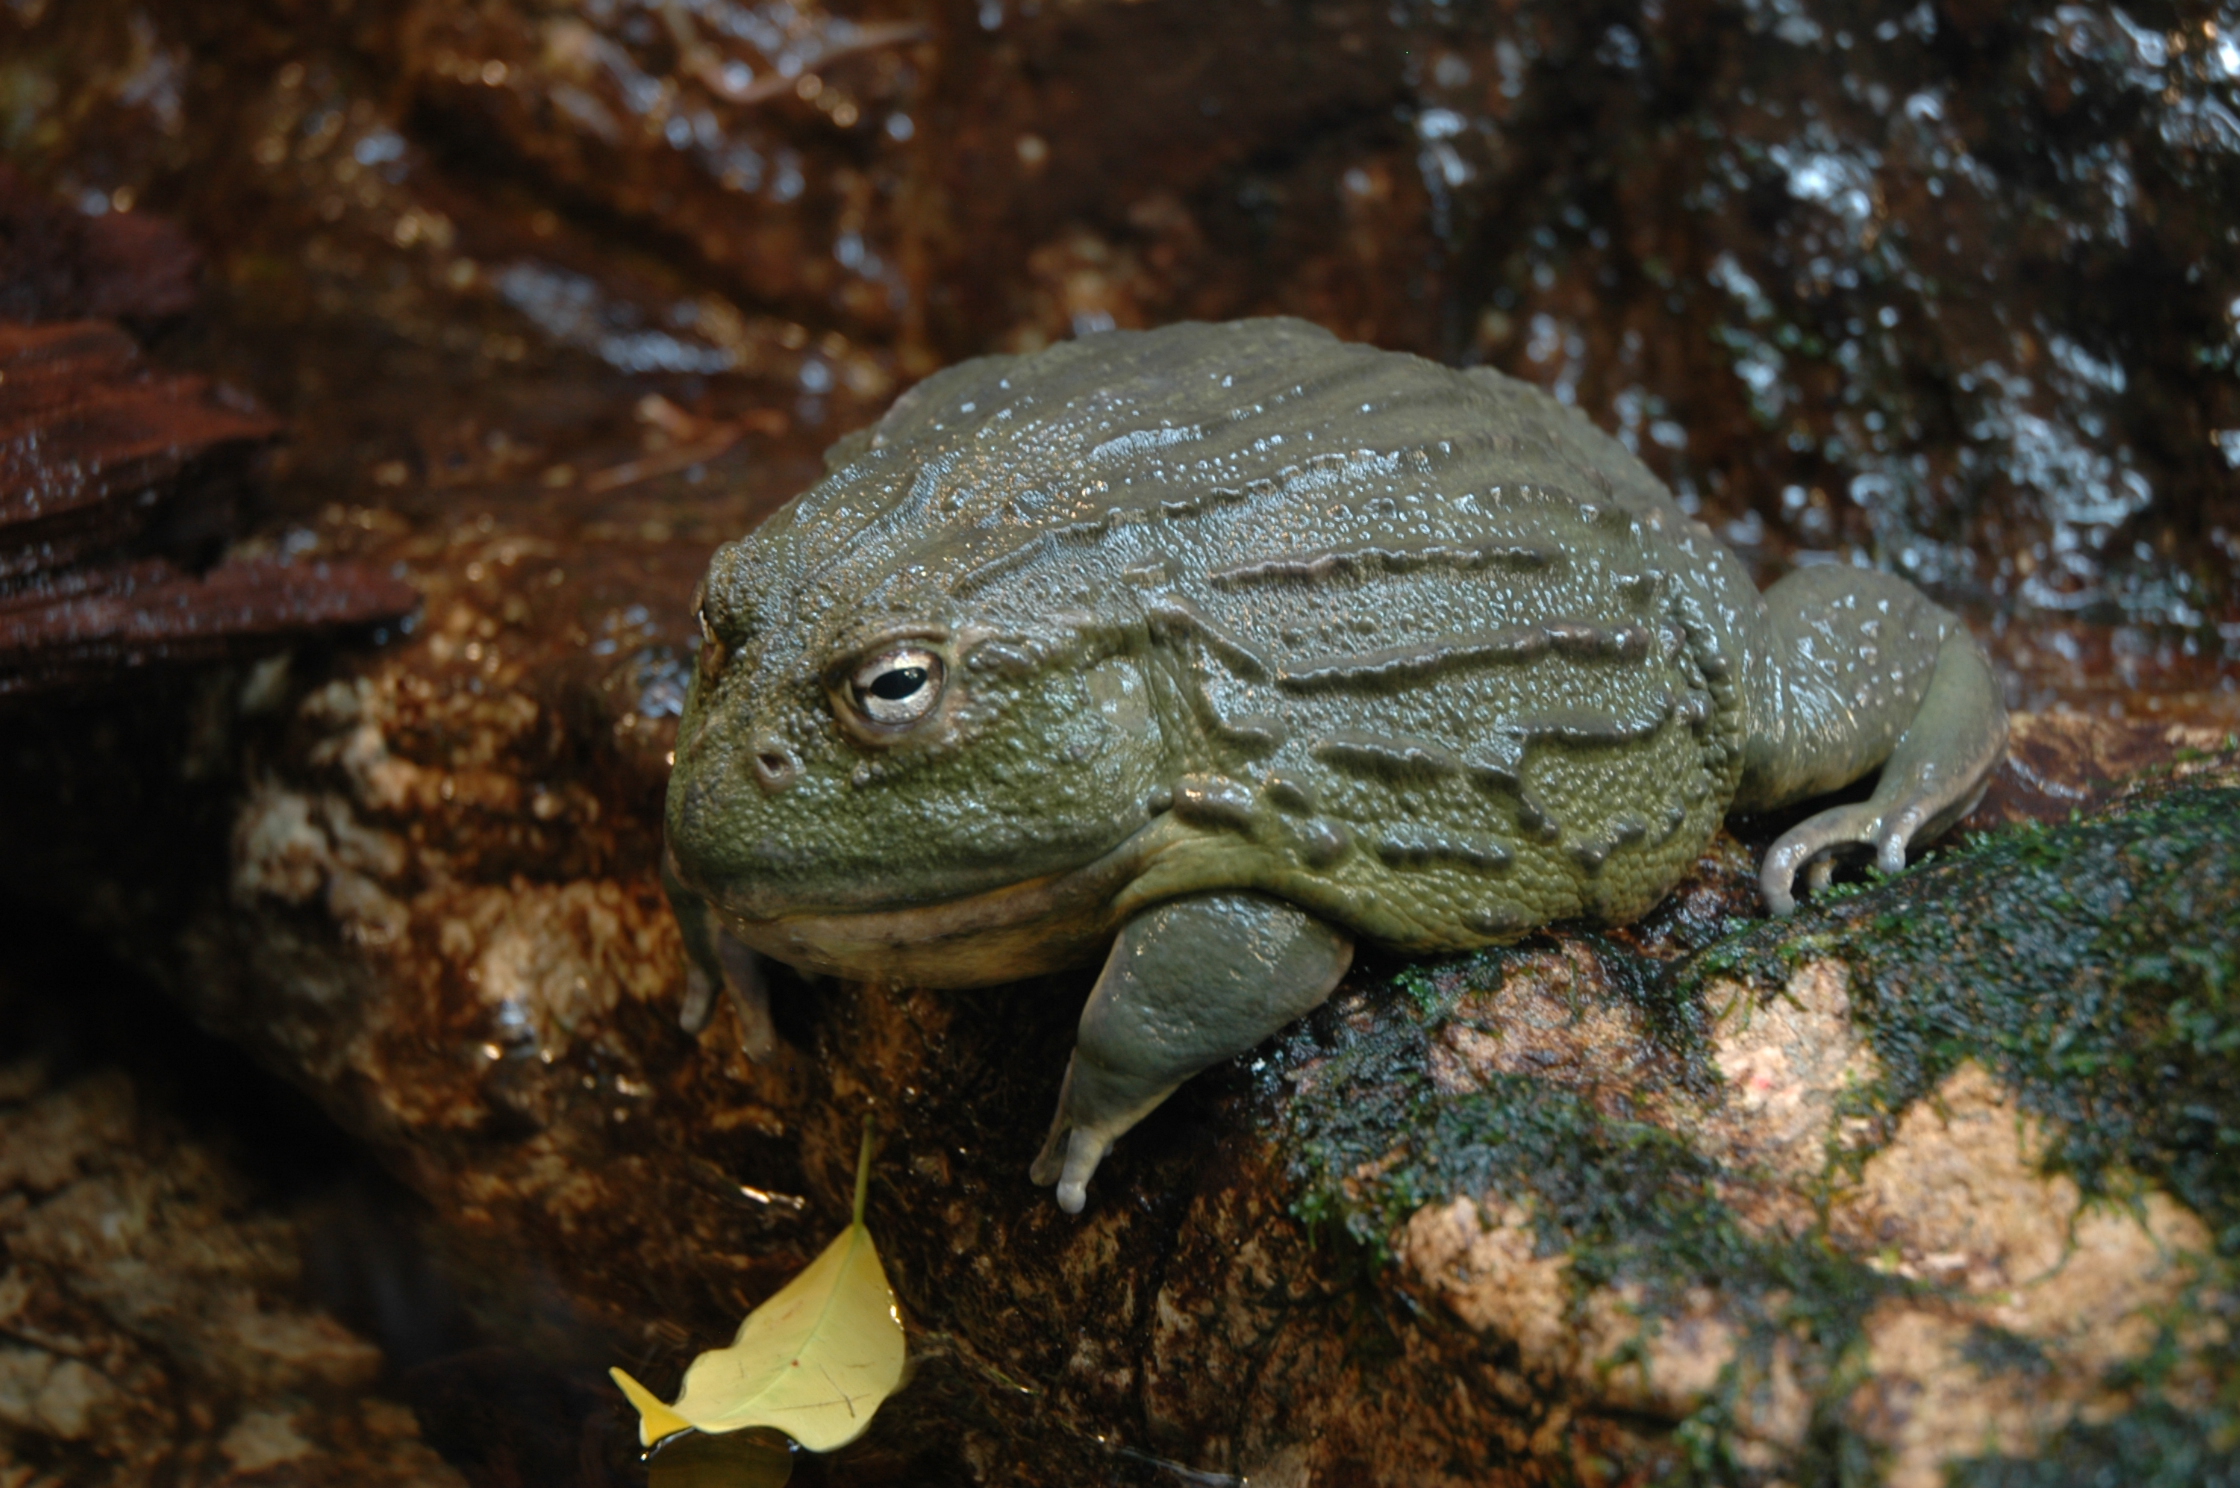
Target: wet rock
x=1885 y=1228
x=93 y=442
x=112 y=478
x=1902 y=253
x=88 y=628
x=58 y=263
x=2063 y=762
x=774 y=142
x=1943 y=290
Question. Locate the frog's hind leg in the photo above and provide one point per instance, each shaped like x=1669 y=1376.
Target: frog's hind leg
x=1189 y=983
x=1868 y=672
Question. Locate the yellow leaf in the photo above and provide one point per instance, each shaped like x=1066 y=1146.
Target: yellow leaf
x=814 y=1361
x=655 y=1420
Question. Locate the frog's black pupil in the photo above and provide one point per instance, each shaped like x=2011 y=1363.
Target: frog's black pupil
x=898 y=684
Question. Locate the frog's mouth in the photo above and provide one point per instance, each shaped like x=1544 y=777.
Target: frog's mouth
x=1024 y=929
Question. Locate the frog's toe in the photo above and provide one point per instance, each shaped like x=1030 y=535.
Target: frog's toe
x=1811 y=847
x=1069 y=1159
x=1071 y=1164
x=1819 y=872
x=714 y=961
x=745 y=978
x=748 y=987
x=699 y=999
x=1081 y=1135
x=1814 y=846
x=1084 y=1150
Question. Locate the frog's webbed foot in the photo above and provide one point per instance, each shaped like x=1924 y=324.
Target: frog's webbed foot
x=1189 y=983
x=1934 y=776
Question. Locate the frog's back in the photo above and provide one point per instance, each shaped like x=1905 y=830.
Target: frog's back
x=1432 y=657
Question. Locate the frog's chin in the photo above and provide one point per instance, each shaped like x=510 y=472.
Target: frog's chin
x=1024 y=929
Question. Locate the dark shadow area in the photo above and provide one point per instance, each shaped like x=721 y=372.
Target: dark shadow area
x=502 y=1374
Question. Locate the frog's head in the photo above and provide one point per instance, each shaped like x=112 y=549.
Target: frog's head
x=857 y=741
x=929 y=681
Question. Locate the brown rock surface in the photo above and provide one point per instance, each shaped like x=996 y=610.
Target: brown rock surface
x=152 y=1326
x=1961 y=1196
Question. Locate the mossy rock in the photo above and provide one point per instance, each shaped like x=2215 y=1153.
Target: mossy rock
x=1940 y=1177
x=2094 y=967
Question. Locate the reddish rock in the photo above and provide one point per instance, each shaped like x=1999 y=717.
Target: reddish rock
x=95 y=449
x=86 y=432
x=59 y=263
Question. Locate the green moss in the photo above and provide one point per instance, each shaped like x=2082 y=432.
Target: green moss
x=2093 y=966
x=1371 y=1097
x=1997 y=1351
x=1423 y=991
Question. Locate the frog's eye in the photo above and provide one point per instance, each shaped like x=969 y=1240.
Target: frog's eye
x=898 y=687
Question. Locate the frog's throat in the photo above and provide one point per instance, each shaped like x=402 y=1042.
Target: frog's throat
x=1024 y=929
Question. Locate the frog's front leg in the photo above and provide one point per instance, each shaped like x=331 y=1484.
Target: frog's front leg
x=713 y=959
x=1867 y=672
x=1189 y=983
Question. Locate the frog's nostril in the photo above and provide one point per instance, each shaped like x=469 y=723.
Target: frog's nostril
x=774 y=765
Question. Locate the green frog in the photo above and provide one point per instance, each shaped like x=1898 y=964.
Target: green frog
x=1212 y=651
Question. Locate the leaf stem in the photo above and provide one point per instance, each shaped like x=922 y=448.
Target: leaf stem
x=863 y=1169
